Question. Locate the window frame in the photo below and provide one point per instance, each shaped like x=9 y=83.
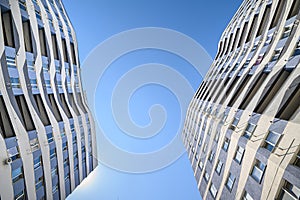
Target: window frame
x=246 y=196
x=206 y=176
x=239 y=153
x=276 y=55
x=234 y=123
x=200 y=165
x=229 y=178
x=247 y=134
x=256 y=166
x=226 y=141
x=214 y=192
x=17 y=176
x=287 y=189
x=211 y=156
x=267 y=143
x=219 y=166
x=217 y=136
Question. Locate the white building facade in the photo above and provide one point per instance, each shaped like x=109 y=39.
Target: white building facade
x=47 y=133
x=242 y=130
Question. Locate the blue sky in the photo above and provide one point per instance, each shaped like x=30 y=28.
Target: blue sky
x=97 y=20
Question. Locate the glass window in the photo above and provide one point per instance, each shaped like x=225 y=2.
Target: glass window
x=200 y=165
x=204 y=148
x=230 y=181
x=197 y=157
x=219 y=167
x=38 y=15
x=66 y=162
x=20 y=195
x=54 y=189
x=289 y=192
x=34 y=143
x=75 y=154
x=61 y=28
x=22 y=5
x=226 y=144
x=62 y=130
x=50 y=137
x=83 y=150
x=235 y=123
x=258 y=171
x=259 y=59
x=217 y=136
x=65 y=146
x=15 y=82
x=193 y=149
x=30 y=65
x=52 y=153
x=45 y=67
x=196 y=137
x=33 y=83
x=209 y=130
x=16 y=174
x=200 y=142
x=213 y=190
x=271 y=140
x=72 y=127
x=37 y=162
x=254 y=47
x=246 y=196
x=50 y=21
x=239 y=154
x=67 y=177
x=57 y=68
x=297 y=50
x=13 y=153
x=203 y=127
x=11 y=62
x=287 y=32
x=224 y=118
x=211 y=156
x=276 y=55
x=249 y=130
x=54 y=172
x=75 y=139
x=269 y=39
x=39 y=183
x=206 y=176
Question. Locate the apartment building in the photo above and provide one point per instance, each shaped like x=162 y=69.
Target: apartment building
x=47 y=134
x=242 y=129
